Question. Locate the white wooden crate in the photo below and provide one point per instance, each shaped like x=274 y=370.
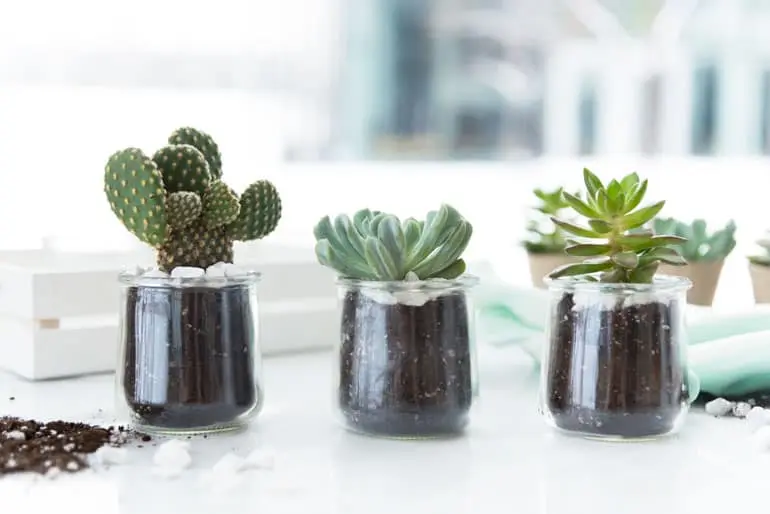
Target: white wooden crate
x=59 y=310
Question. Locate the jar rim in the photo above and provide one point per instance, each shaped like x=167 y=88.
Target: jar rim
x=660 y=283
x=134 y=277
x=464 y=281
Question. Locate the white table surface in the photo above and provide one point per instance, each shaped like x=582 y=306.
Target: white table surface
x=508 y=462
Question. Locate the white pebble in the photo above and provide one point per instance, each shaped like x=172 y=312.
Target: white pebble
x=741 y=409
x=155 y=273
x=15 y=434
x=187 y=272
x=233 y=270
x=111 y=455
x=216 y=270
x=133 y=270
x=411 y=276
x=719 y=407
x=761 y=438
x=229 y=463
x=171 y=458
x=260 y=459
x=758 y=417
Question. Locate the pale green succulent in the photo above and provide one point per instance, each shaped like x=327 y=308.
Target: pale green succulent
x=377 y=246
x=701 y=246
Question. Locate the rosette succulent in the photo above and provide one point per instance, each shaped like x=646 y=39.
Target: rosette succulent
x=544 y=236
x=701 y=246
x=616 y=246
x=373 y=245
x=176 y=202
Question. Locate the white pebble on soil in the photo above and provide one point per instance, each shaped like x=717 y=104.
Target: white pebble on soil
x=187 y=272
x=234 y=270
x=216 y=270
x=761 y=438
x=719 y=407
x=758 y=417
x=108 y=455
x=155 y=273
x=15 y=434
x=172 y=458
x=741 y=409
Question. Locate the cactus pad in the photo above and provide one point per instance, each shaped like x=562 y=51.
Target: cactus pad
x=183 y=168
x=195 y=245
x=204 y=143
x=260 y=212
x=134 y=189
x=183 y=208
x=221 y=205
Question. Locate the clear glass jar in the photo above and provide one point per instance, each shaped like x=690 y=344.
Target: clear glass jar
x=189 y=357
x=406 y=357
x=615 y=359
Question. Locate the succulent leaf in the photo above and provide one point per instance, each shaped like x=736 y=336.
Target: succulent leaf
x=543 y=235
x=260 y=211
x=183 y=208
x=220 y=204
x=134 y=189
x=695 y=242
x=627 y=251
x=205 y=145
x=378 y=246
x=183 y=168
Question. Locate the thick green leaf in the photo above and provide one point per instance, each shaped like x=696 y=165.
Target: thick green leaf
x=580 y=268
x=635 y=198
x=664 y=254
x=629 y=182
x=580 y=207
x=600 y=226
x=614 y=189
x=435 y=224
x=328 y=257
x=592 y=182
x=627 y=260
x=361 y=221
x=380 y=261
x=615 y=204
x=445 y=255
x=392 y=237
x=349 y=237
x=574 y=229
x=454 y=270
x=643 y=274
x=412 y=230
x=642 y=216
x=602 y=203
x=588 y=250
x=638 y=244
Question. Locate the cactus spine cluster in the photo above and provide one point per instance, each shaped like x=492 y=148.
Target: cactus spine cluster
x=176 y=202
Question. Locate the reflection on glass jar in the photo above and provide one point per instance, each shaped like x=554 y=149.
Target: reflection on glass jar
x=406 y=357
x=189 y=353
x=615 y=359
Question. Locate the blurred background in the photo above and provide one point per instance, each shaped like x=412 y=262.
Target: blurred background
x=391 y=104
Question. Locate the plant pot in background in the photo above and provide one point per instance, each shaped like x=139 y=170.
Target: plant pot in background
x=541 y=264
x=704 y=276
x=760 y=282
x=615 y=362
x=189 y=355
x=407 y=357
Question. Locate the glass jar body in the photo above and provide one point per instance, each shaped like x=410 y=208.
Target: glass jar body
x=615 y=359
x=406 y=358
x=189 y=358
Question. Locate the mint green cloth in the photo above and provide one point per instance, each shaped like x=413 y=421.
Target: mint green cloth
x=730 y=354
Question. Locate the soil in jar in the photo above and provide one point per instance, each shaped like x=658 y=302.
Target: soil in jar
x=189 y=356
x=405 y=370
x=616 y=372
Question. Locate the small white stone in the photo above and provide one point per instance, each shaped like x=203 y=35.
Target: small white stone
x=187 y=272
x=260 y=459
x=229 y=463
x=412 y=298
x=758 y=417
x=111 y=455
x=133 y=270
x=234 y=270
x=172 y=457
x=411 y=276
x=15 y=434
x=719 y=407
x=761 y=438
x=216 y=270
x=155 y=273
x=741 y=409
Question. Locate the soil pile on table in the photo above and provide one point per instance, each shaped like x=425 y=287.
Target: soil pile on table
x=39 y=447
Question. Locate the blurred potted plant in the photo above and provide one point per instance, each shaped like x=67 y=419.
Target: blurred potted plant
x=704 y=252
x=614 y=365
x=546 y=241
x=406 y=356
x=759 y=268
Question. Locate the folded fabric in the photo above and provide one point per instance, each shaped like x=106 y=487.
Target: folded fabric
x=730 y=353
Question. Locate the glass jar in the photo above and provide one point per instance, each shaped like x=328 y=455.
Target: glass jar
x=615 y=360
x=406 y=357
x=189 y=357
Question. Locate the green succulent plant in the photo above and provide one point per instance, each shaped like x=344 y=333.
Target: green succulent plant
x=701 y=246
x=544 y=236
x=625 y=253
x=377 y=246
x=175 y=201
x=764 y=258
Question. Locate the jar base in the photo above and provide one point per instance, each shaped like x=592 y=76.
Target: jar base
x=406 y=426
x=620 y=426
x=233 y=426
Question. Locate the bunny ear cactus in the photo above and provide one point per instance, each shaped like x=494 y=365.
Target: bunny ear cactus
x=625 y=252
x=175 y=201
x=380 y=247
x=700 y=245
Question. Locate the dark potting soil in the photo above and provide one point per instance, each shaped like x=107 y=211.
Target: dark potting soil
x=616 y=372
x=405 y=371
x=34 y=446
x=189 y=356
